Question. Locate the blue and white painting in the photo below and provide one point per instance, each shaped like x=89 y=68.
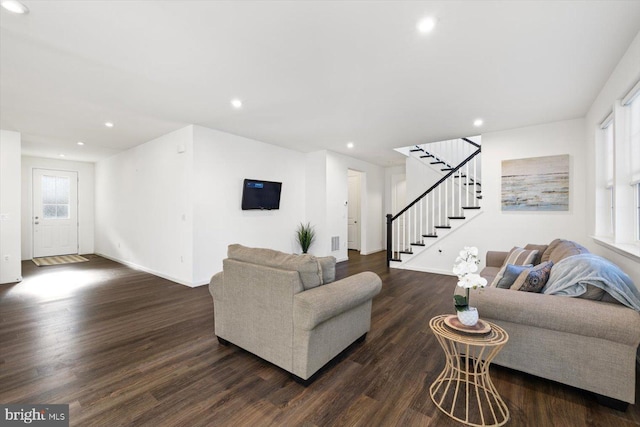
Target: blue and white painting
x=536 y=184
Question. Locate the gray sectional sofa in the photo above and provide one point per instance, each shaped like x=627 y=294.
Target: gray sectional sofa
x=585 y=343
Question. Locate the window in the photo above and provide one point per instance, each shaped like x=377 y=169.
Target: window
x=638 y=212
x=55 y=197
x=618 y=176
x=608 y=145
x=633 y=120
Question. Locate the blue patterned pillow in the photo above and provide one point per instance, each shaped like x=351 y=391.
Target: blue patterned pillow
x=511 y=273
x=533 y=279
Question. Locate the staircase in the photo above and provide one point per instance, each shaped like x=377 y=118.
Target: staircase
x=442 y=208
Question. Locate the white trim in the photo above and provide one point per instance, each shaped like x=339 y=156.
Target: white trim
x=151 y=271
x=399 y=266
x=631 y=95
x=629 y=250
x=374 y=251
x=607 y=121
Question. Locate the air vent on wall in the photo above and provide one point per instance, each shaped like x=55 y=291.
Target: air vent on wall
x=335 y=243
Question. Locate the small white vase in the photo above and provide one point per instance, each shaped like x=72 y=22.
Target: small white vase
x=469 y=316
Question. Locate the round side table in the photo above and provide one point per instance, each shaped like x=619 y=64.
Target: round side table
x=464 y=390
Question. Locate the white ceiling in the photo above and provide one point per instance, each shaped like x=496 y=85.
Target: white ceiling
x=312 y=75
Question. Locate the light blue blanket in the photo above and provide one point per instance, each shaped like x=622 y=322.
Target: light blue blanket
x=570 y=277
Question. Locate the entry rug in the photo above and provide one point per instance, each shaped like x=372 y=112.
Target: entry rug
x=57 y=260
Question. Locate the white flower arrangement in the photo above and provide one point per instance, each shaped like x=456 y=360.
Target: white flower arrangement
x=466 y=267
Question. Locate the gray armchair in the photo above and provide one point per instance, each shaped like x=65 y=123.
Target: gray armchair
x=288 y=310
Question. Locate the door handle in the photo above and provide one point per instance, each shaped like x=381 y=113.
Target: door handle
x=36 y=223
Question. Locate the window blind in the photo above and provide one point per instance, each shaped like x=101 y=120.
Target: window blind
x=608 y=143
x=633 y=119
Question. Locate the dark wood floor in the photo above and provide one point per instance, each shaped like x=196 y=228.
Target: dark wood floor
x=123 y=347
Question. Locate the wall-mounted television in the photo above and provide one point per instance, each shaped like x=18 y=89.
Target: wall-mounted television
x=258 y=194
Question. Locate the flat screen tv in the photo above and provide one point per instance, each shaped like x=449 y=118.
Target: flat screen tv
x=257 y=194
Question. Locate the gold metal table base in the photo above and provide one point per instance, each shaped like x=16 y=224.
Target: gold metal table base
x=464 y=390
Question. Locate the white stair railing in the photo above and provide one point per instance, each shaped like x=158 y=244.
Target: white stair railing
x=447 y=199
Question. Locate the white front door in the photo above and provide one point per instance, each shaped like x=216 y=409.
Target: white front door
x=55 y=213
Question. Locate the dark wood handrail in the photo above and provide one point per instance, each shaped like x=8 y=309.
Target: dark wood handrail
x=443 y=179
x=390 y=218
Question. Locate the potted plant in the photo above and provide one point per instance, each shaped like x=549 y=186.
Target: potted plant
x=305 y=235
x=465 y=267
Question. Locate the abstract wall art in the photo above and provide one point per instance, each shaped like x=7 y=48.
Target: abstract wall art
x=536 y=184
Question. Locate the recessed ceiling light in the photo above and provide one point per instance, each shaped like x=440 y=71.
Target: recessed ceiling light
x=80 y=143
x=350 y=144
x=60 y=155
x=478 y=122
x=426 y=25
x=108 y=124
x=236 y=103
x=15 y=6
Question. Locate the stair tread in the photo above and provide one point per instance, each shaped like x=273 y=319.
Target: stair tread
x=395 y=259
x=471 y=207
x=430 y=235
x=437 y=163
x=425 y=156
x=418 y=244
x=406 y=252
x=443 y=226
x=457 y=217
x=446 y=169
x=413 y=150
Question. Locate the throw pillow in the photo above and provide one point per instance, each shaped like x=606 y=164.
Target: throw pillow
x=328 y=266
x=517 y=256
x=533 y=279
x=510 y=275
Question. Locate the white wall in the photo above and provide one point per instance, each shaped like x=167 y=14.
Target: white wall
x=221 y=162
x=174 y=214
x=10 y=267
x=143 y=206
x=624 y=76
x=420 y=177
x=372 y=203
x=316 y=201
x=391 y=175
x=86 y=203
x=498 y=230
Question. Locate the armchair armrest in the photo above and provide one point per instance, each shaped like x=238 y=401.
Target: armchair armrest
x=496 y=258
x=312 y=307
x=215 y=285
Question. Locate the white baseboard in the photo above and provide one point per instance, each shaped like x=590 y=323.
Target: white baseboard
x=150 y=271
x=373 y=251
x=424 y=269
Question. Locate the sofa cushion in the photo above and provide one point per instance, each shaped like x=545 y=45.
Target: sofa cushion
x=594 y=293
x=517 y=256
x=540 y=249
x=511 y=273
x=560 y=249
x=328 y=266
x=306 y=265
x=533 y=279
x=490 y=273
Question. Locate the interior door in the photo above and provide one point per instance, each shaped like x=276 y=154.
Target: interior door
x=353 y=224
x=55 y=212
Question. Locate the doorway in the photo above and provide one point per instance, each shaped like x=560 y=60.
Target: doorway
x=354 y=222
x=55 y=212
